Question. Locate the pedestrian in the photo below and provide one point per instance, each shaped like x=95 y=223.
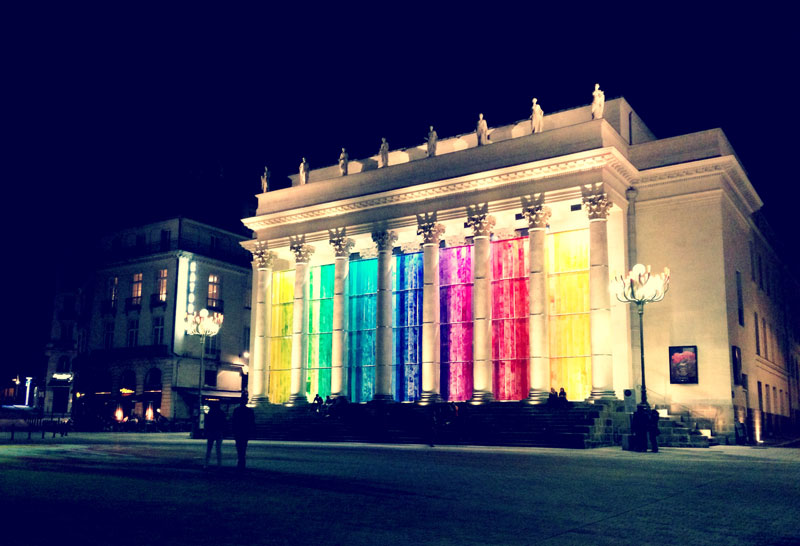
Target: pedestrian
x=317 y=403
x=562 y=398
x=215 y=428
x=552 y=398
x=652 y=430
x=244 y=424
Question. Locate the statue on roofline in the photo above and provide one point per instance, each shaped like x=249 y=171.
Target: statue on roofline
x=537 y=117
x=598 y=102
x=432 y=140
x=384 y=154
x=304 y=171
x=265 y=180
x=482 y=130
x=344 y=159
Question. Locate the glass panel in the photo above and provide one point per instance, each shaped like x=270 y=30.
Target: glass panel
x=455 y=315
x=510 y=354
x=280 y=336
x=568 y=312
x=407 y=282
x=363 y=285
x=320 y=328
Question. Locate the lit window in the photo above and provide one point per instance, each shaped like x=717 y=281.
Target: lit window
x=161 y=284
x=113 y=290
x=136 y=289
x=215 y=292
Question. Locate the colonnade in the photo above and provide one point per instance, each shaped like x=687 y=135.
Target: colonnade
x=595 y=202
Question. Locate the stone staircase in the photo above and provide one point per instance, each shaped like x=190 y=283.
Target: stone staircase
x=579 y=425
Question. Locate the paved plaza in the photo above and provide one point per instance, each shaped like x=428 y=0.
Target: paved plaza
x=152 y=489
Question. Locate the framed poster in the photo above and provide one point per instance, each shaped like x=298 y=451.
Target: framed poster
x=683 y=364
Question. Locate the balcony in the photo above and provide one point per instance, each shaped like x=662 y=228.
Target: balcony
x=158 y=300
x=215 y=305
x=108 y=307
x=133 y=304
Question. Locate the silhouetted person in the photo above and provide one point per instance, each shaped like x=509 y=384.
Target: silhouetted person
x=215 y=428
x=317 y=402
x=562 y=398
x=244 y=424
x=552 y=398
x=652 y=430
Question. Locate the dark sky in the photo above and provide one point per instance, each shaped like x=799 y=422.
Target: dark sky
x=119 y=115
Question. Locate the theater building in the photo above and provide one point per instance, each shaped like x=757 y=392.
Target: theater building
x=480 y=273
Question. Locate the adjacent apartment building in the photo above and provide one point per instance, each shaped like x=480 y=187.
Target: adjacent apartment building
x=119 y=345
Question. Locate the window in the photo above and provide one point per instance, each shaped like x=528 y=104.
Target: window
x=133 y=332
x=736 y=364
x=765 y=335
x=215 y=292
x=66 y=331
x=212 y=346
x=758 y=338
x=161 y=284
x=136 y=289
x=108 y=335
x=165 y=239
x=211 y=378
x=768 y=405
x=113 y=290
x=739 y=298
x=158 y=330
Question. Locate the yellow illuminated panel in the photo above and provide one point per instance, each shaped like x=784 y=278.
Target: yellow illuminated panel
x=280 y=336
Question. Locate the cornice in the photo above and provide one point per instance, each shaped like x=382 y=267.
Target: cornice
x=538 y=170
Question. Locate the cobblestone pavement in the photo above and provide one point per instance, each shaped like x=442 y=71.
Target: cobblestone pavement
x=151 y=489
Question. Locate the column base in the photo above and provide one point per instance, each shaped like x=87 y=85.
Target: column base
x=537 y=396
x=481 y=397
x=297 y=400
x=383 y=398
x=429 y=398
x=257 y=401
x=602 y=394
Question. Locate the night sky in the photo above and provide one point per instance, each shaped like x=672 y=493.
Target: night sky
x=115 y=117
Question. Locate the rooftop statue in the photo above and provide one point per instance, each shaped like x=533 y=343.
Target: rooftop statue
x=598 y=103
x=537 y=117
x=343 y=160
x=482 y=131
x=265 y=180
x=304 y=171
x=384 y=154
x=432 y=139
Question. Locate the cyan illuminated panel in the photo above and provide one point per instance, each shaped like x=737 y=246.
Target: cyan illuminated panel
x=510 y=378
x=407 y=282
x=363 y=288
x=455 y=290
x=320 y=331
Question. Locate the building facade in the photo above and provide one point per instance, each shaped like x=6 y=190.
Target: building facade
x=128 y=353
x=479 y=270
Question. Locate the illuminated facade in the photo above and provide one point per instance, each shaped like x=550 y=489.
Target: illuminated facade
x=482 y=274
x=130 y=353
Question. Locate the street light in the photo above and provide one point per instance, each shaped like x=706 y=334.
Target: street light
x=640 y=287
x=202 y=324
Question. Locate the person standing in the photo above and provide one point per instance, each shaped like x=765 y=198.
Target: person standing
x=215 y=428
x=244 y=424
x=652 y=430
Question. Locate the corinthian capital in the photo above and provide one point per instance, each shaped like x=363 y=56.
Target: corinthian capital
x=479 y=219
x=535 y=212
x=302 y=251
x=340 y=243
x=262 y=256
x=384 y=239
x=596 y=201
x=428 y=228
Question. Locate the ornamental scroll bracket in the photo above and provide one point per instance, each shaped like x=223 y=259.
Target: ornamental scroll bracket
x=596 y=201
x=479 y=219
x=430 y=230
x=535 y=212
x=342 y=246
x=302 y=252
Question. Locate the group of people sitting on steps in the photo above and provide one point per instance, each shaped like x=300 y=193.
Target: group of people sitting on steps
x=557 y=400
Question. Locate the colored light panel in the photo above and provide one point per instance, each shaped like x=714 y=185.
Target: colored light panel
x=363 y=288
x=320 y=331
x=455 y=290
x=407 y=281
x=280 y=338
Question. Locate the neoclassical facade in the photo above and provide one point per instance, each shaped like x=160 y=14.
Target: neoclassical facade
x=481 y=273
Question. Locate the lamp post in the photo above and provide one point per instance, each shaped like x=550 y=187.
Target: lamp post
x=640 y=287
x=202 y=324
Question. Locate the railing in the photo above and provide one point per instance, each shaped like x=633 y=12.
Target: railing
x=133 y=304
x=215 y=304
x=158 y=300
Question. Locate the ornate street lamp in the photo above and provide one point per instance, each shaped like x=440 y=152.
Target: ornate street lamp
x=640 y=287
x=203 y=324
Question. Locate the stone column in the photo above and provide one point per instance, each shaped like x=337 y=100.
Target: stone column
x=636 y=372
x=341 y=246
x=539 y=364
x=383 y=335
x=597 y=206
x=430 y=232
x=259 y=341
x=481 y=223
x=302 y=253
